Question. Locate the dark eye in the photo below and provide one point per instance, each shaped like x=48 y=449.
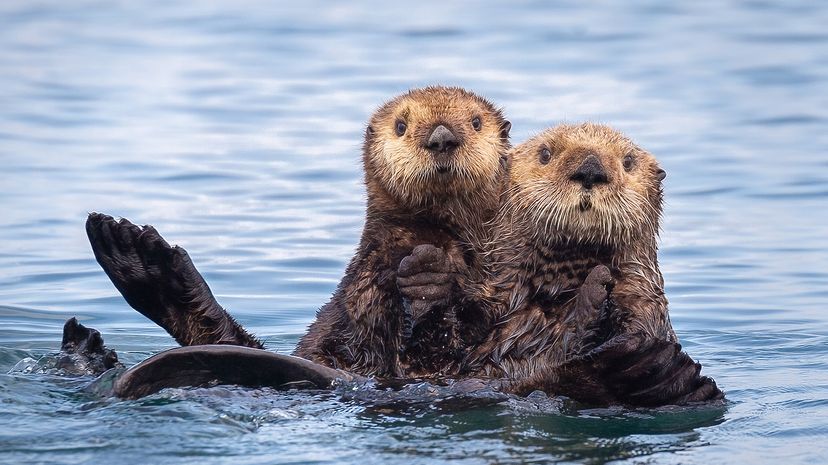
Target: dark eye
x=400 y=128
x=545 y=156
x=628 y=162
x=476 y=124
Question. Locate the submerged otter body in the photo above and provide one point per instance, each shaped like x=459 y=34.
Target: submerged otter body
x=580 y=217
x=434 y=167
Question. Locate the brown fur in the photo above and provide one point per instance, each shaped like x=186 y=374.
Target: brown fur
x=411 y=202
x=551 y=232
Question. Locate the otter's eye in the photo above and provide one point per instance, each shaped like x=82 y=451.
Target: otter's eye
x=545 y=156
x=628 y=162
x=476 y=124
x=400 y=128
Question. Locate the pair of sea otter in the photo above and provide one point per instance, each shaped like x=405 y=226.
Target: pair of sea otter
x=535 y=265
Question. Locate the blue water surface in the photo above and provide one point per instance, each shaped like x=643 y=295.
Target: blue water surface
x=235 y=129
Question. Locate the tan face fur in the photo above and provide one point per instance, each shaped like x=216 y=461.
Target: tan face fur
x=397 y=153
x=611 y=199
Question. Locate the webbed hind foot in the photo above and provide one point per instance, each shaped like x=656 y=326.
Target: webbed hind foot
x=82 y=350
x=162 y=283
x=630 y=369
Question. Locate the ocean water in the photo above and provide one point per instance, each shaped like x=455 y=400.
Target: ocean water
x=235 y=129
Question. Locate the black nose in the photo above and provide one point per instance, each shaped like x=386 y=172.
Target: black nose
x=441 y=139
x=590 y=172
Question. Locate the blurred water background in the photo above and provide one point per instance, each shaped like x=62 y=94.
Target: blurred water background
x=235 y=129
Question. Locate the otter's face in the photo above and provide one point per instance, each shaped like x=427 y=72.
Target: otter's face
x=436 y=143
x=587 y=182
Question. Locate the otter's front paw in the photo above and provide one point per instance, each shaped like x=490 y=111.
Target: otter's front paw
x=425 y=281
x=584 y=320
x=595 y=289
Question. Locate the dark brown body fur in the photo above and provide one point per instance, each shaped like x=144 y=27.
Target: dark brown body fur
x=416 y=196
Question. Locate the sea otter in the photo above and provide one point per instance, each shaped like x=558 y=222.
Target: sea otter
x=434 y=167
x=580 y=216
x=434 y=161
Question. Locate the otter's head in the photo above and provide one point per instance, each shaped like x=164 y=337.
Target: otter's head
x=586 y=183
x=435 y=144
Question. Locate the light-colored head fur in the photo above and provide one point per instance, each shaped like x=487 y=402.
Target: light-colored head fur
x=543 y=196
x=402 y=166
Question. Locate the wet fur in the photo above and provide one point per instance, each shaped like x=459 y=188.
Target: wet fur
x=375 y=323
x=365 y=328
x=550 y=233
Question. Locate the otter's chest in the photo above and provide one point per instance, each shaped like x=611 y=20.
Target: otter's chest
x=555 y=274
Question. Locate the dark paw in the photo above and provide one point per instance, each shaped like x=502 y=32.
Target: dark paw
x=424 y=280
x=162 y=283
x=154 y=278
x=705 y=390
x=636 y=369
x=84 y=350
x=424 y=258
x=596 y=287
x=585 y=320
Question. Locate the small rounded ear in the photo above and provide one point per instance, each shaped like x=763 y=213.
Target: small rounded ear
x=504 y=129
x=661 y=174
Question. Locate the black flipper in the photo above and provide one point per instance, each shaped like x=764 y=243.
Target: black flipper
x=208 y=365
x=161 y=283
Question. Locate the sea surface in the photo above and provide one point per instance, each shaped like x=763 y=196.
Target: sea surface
x=235 y=128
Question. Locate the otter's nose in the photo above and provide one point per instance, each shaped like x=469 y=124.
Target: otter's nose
x=441 y=140
x=590 y=172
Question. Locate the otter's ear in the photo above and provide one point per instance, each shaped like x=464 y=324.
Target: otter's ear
x=661 y=174
x=504 y=129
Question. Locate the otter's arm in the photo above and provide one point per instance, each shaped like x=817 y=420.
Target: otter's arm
x=359 y=329
x=629 y=368
x=427 y=281
x=438 y=283
x=642 y=304
x=632 y=368
x=162 y=283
